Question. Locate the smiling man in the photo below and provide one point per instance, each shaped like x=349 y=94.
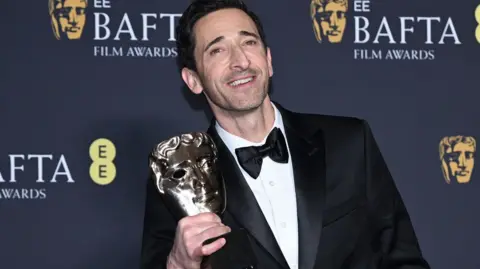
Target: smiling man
x=317 y=194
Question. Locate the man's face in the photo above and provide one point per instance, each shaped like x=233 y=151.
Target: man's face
x=233 y=66
x=189 y=178
x=460 y=162
x=330 y=21
x=71 y=17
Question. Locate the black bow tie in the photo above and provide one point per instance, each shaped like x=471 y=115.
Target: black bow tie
x=251 y=158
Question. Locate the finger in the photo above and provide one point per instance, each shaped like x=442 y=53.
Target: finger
x=206 y=225
x=194 y=244
x=199 y=218
x=213 y=247
x=213 y=232
x=189 y=233
x=199 y=223
x=206 y=217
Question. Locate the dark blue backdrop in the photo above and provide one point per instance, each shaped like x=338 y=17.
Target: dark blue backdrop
x=59 y=96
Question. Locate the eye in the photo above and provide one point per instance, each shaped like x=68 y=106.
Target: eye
x=63 y=12
x=207 y=163
x=324 y=15
x=80 y=10
x=163 y=165
x=453 y=156
x=178 y=174
x=251 y=42
x=213 y=52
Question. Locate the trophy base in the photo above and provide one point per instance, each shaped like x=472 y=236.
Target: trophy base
x=235 y=254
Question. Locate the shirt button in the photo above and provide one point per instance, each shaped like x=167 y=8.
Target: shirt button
x=272 y=183
x=283 y=224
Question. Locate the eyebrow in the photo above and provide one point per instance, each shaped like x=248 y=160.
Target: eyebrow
x=213 y=42
x=220 y=38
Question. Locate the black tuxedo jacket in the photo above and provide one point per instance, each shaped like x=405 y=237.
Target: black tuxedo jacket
x=350 y=214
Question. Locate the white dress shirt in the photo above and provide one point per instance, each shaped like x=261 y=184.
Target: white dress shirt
x=274 y=190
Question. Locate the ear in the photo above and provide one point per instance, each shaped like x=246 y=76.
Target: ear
x=192 y=80
x=269 y=62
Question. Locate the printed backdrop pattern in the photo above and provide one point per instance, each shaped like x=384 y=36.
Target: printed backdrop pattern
x=88 y=87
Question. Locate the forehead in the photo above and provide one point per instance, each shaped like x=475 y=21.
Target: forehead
x=335 y=6
x=222 y=22
x=463 y=147
x=189 y=153
x=74 y=3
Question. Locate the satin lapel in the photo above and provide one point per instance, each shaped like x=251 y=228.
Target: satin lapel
x=242 y=204
x=308 y=159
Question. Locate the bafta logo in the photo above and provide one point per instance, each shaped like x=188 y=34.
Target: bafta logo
x=67 y=17
x=329 y=19
x=457 y=155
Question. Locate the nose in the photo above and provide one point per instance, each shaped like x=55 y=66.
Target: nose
x=334 y=20
x=461 y=161
x=238 y=59
x=198 y=179
x=72 y=16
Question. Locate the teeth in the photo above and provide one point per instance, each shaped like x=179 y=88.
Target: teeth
x=241 y=81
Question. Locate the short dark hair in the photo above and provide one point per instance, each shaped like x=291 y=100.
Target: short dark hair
x=185 y=38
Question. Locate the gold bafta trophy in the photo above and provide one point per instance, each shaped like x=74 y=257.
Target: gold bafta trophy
x=185 y=171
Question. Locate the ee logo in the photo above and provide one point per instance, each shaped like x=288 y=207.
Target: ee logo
x=477 y=18
x=102 y=153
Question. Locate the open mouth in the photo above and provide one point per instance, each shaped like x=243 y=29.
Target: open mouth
x=333 y=33
x=73 y=29
x=242 y=82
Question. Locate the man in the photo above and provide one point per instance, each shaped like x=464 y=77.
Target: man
x=327 y=202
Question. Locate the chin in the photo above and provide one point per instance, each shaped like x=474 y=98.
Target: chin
x=251 y=104
x=246 y=107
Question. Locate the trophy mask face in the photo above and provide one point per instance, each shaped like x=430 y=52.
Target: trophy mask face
x=185 y=172
x=457 y=154
x=329 y=19
x=68 y=18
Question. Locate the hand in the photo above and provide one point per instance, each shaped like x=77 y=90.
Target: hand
x=187 y=251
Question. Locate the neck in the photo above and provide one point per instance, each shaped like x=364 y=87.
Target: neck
x=253 y=125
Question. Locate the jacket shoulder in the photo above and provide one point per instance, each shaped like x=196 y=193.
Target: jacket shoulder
x=308 y=124
x=332 y=124
x=333 y=121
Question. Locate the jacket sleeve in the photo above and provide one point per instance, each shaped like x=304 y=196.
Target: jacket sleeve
x=158 y=230
x=395 y=235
